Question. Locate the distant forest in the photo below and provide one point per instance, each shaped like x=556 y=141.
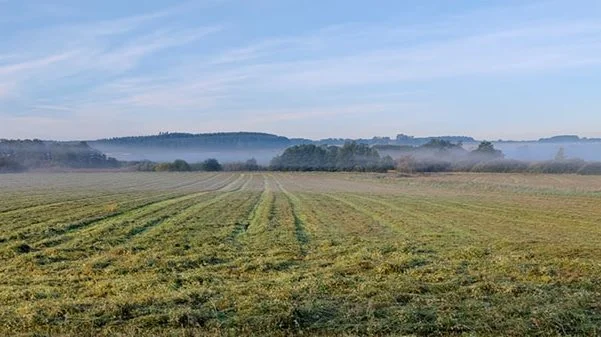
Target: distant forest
x=22 y=155
x=252 y=140
x=225 y=140
x=242 y=140
x=380 y=154
x=435 y=156
x=350 y=157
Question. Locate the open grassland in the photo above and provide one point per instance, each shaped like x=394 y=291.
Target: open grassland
x=138 y=254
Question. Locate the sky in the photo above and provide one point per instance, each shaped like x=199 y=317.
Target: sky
x=72 y=69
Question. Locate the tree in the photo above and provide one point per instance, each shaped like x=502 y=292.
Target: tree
x=350 y=157
x=6 y=165
x=302 y=158
x=211 y=165
x=486 y=147
x=387 y=163
x=439 y=144
x=251 y=165
x=45 y=154
x=163 y=167
x=180 y=166
x=486 y=150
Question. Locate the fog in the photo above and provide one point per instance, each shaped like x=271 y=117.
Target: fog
x=263 y=156
x=537 y=151
x=525 y=151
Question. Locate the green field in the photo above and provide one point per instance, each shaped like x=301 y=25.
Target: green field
x=140 y=254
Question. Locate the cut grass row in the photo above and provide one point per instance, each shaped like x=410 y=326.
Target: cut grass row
x=278 y=254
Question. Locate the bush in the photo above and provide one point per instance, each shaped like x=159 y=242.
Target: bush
x=464 y=165
x=177 y=166
x=163 y=167
x=211 y=165
x=180 y=166
x=591 y=169
x=9 y=166
x=249 y=165
x=501 y=166
x=557 y=166
x=412 y=165
x=144 y=166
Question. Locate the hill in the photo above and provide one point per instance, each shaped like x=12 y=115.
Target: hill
x=222 y=140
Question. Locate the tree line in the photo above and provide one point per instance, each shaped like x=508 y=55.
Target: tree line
x=437 y=155
x=209 y=165
x=229 y=140
x=442 y=156
x=351 y=156
x=22 y=155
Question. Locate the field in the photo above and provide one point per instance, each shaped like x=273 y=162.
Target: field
x=140 y=254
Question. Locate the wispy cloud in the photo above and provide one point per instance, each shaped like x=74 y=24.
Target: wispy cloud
x=181 y=60
x=35 y=64
x=547 y=47
x=90 y=53
x=46 y=107
x=128 y=56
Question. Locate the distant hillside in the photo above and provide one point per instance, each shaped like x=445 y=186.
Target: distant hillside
x=224 y=140
x=224 y=146
x=227 y=147
x=246 y=140
x=567 y=139
x=400 y=139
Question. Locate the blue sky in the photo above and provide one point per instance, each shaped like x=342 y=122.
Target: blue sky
x=73 y=69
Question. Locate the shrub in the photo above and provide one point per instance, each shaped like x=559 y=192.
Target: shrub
x=412 y=165
x=249 y=165
x=180 y=166
x=464 y=165
x=163 y=167
x=9 y=166
x=501 y=166
x=591 y=169
x=211 y=165
x=557 y=166
x=145 y=166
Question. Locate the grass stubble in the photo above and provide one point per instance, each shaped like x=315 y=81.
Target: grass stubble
x=278 y=254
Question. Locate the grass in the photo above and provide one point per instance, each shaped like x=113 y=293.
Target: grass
x=278 y=254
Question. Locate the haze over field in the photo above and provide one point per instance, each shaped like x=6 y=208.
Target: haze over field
x=495 y=69
x=526 y=151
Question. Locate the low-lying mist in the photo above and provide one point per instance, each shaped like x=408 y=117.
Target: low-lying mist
x=526 y=151
x=589 y=151
x=262 y=156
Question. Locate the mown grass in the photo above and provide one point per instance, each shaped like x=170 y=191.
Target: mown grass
x=271 y=254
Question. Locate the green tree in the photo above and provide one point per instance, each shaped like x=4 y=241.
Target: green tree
x=486 y=150
x=350 y=157
x=212 y=165
x=163 y=167
x=180 y=166
x=439 y=144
